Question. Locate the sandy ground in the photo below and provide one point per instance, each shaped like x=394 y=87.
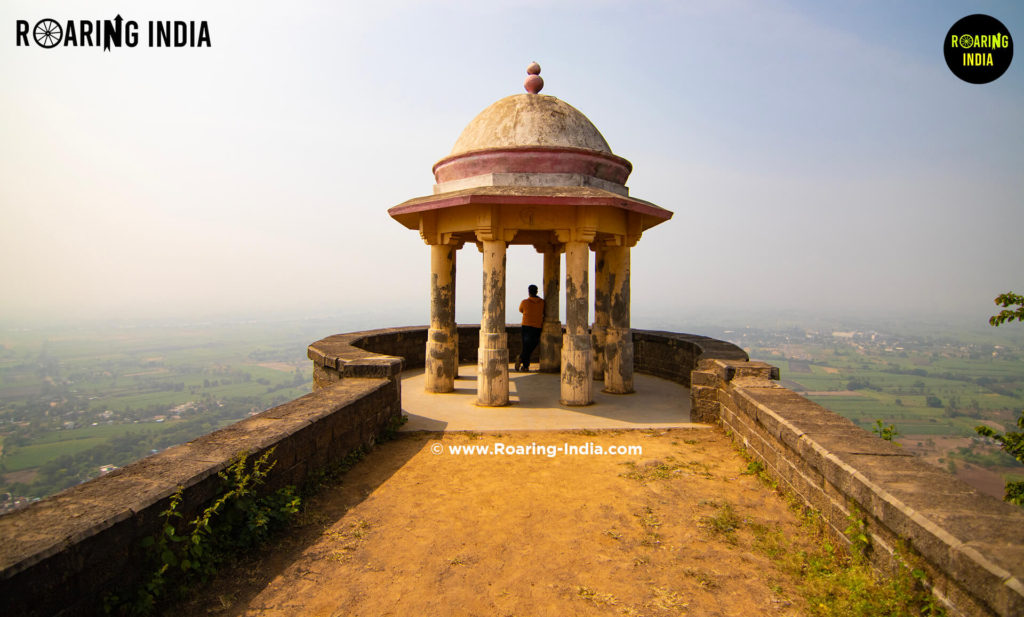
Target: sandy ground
x=412 y=532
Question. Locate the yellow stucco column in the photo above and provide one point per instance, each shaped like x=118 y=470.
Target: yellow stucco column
x=618 y=371
x=442 y=357
x=492 y=360
x=577 y=354
x=599 y=331
x=551 y=333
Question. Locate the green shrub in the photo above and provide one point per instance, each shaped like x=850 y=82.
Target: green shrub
x=184 y=552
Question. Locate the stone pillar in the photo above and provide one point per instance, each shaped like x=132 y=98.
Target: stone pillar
x=492 y=363
x=442 y=358
x=618 y=371
x=599 y=331
x=577 y=354
x=551 y=334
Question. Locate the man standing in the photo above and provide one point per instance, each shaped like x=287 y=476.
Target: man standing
x=532 y=309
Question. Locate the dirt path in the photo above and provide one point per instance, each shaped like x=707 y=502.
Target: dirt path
x=411 y=532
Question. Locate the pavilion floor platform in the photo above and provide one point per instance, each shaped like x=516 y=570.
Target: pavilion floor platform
x=534 y=405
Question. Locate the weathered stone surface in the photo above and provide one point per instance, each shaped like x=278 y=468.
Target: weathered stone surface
x=704 y=378
x=577 y=353
x=674 y=356
x=972 y=545
x=441 y=356
x=619 y=351
x=492 y=359
x=530 y=120
x=60 y=555
x=551 y=333
x=602 y=296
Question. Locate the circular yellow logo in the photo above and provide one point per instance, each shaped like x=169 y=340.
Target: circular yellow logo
x=978 y=49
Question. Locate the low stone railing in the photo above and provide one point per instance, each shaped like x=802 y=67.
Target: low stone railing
x=669 y=355
x=64 y=554
x=971 y=545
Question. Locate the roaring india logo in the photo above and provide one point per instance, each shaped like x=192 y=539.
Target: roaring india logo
x=48 y=33
x=978 y=49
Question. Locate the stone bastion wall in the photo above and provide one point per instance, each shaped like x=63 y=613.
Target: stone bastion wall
x=61 y=555
x=970 y=545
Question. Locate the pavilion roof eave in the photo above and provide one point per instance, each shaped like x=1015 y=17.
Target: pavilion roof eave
x=407 y=213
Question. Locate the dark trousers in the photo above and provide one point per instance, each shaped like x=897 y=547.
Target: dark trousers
x=531 y=338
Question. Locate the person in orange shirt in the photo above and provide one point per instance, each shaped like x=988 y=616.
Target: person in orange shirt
x=532 y=309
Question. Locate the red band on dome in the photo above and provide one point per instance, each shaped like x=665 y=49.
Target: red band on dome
x=535 y=159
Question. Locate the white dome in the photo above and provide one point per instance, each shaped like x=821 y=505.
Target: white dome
x=524 y=120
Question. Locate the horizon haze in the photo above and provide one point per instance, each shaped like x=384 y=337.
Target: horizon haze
x=817 y=159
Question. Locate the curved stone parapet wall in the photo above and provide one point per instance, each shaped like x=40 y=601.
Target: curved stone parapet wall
x=971 y=545
x=670 y=355
x=674 y=356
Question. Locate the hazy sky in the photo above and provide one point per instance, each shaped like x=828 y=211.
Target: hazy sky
x=814 y=157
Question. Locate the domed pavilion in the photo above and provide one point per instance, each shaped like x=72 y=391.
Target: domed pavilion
x=531 y=169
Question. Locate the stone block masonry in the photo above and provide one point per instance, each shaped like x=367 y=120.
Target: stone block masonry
x=62 y=555
x=673 y=356
x=971 y=545
x=389 y=351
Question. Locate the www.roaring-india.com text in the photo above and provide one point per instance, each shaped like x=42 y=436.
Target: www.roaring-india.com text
x=535 y=449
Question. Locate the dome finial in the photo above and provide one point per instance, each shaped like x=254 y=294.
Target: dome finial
x=534 y=82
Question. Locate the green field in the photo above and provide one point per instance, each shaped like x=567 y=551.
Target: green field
x=54 y=444
x=895 y=387
x=104 y=395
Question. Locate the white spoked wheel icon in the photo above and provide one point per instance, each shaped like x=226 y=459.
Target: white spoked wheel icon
x=47 y=33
